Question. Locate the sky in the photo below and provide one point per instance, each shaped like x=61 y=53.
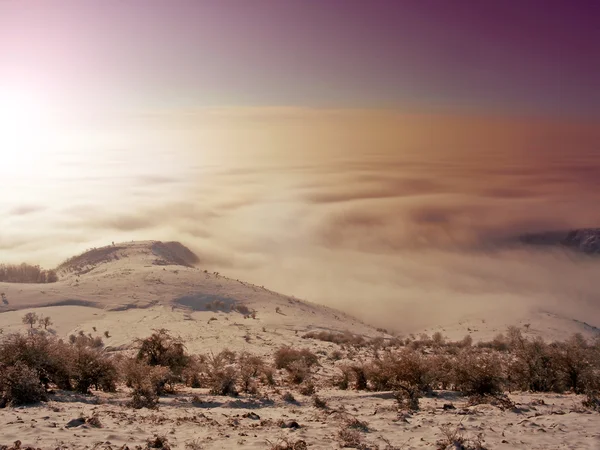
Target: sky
x=378 y=156
x=521 y=57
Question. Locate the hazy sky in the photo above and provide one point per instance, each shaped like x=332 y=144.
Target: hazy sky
x=518 y=56
x=379 y=156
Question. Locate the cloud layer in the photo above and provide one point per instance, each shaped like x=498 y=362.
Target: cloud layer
x=402 y=220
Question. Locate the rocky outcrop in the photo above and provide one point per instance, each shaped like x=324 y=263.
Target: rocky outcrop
x=584 y=240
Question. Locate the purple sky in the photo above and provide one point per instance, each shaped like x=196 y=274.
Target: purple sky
x=520 y=56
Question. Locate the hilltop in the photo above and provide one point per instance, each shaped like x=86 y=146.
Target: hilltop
x=129 y=289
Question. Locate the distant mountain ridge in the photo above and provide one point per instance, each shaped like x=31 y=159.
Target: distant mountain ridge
x=583 y=240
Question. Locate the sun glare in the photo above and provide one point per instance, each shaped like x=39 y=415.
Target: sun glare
x=25 y=130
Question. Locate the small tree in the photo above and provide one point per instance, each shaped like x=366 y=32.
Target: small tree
x=30 y=319
x=45 y=322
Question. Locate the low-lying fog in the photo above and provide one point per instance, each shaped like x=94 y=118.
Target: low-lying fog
x=403 y=220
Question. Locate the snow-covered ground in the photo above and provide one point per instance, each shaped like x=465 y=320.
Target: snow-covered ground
x=126 y=291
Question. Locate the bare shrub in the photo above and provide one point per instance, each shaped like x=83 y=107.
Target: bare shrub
x=251 y=367
x=408 y=397
x=536 y=366
x=441 y=368
x=438 y=339
x=307 y=388
x=90 y=367
x=351 y=438
x=83 y=340
x=404 y=368
x=45 y=322
x=336 y=355
x=576 y=362
x=467 y=341
x=285 y=356
x=345 y=338
x=222 y=375
x=196 y=444
x=478 y=373
x=242 y=309
x=162 y=349
x=146 y=382
x=356 y=424
x=288 y=397
x=49 y=358
x=453 y=438
x=499 y=343
x=193 y=375
x=318 y=402
x=20 y=385
x=158 y=441
x=343 y=380
x=592 y=400
x=298 y=372
x=287 y=444
x=501 y=401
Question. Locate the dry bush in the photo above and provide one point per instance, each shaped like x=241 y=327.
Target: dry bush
x=158 y=441
x=162 y=349
x=454 y=439
x=146 y=382
x=285 y=356
x=501 y=401
x=592 y=400
x=467 y=341
x=578 y=364
x=345 y=338
x=222 y=374
x=356 y=424
x=408 y=397
x=223 y=381
x=336 y=355
x=349 y=438
x=91 y=367
x=83 y=340
x=478 y=373
x=441 y=368
x=20 y=385
x=307 y=388
x=50 y=358
x=196 y=444
x=298 y=372
x=244 y=310
x=499 y=343
x=45 y=322
x=404 y=368
x=288 y=397
x=358 y=374
x=268 y=376
x=536 y=367
x=438 y=339
x=194 y=374
x=318 y=402
x=287 y=444
x=251 y=367
x=342 y=381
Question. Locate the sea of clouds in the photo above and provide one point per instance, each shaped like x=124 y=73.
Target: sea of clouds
x=403 y=220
